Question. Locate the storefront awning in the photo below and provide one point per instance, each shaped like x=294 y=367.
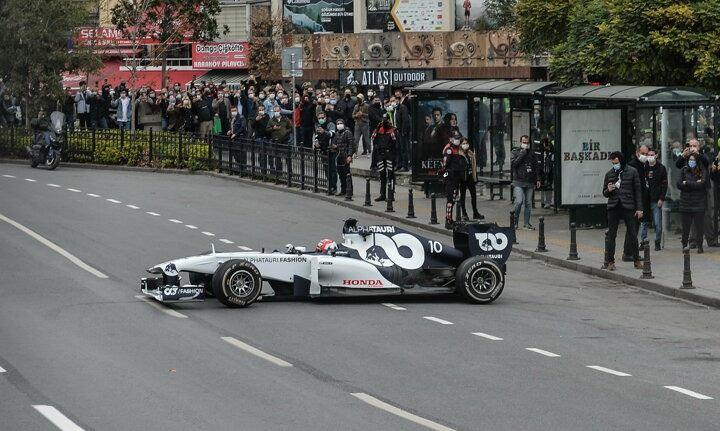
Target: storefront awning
x=644 y=95
x=233 y=78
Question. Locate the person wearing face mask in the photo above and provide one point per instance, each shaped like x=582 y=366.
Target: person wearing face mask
x=238 y=128
x=621 y=186
x=375 y=113
x=270 y=102
x=639 y=162
x=323 y=141
x=279 y=127
x=453 y=170
x=259 y=126
x=346 y=148
x=704 y=154
x=345 y=107
x=384 y=144
x=693 y=200
x=124 y=111
x=656 y=184
x=362 y=126
x=469 y=179
x=525 y=179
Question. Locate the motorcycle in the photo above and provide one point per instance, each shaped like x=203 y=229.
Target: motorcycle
x=48 y=141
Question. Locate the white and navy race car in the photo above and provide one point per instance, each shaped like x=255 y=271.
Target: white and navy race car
x=371 y=260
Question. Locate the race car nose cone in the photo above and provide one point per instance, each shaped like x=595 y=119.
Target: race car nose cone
x=154 y=270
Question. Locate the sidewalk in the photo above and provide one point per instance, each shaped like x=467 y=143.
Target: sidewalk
x=667 y=265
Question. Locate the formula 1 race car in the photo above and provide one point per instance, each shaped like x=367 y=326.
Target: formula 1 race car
x=372 y=260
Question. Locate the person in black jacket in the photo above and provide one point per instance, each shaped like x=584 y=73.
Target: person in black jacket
x=704 y=156
x=401 y=117
x=622 y=188
x=525 y=179
x=346 y=148
x=384 y=147
x=656 y=183
x=639 y=162
x=693 y=198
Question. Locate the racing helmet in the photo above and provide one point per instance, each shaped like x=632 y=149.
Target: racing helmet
x=326 y=246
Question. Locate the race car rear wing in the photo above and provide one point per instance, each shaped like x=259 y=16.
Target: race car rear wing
x=484 y=239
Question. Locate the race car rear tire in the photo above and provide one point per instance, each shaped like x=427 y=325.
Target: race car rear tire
x=480 y=280
x=197 y=279
x=237 y=283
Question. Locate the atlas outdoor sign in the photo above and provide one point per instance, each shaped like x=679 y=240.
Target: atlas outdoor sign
x=387 y=77
x=220 y=55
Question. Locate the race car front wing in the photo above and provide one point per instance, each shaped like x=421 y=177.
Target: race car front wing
x=155 y=288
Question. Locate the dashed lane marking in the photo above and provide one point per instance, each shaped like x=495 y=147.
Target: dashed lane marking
x=133 y=207
x=175 y=220
x=58 y=419
x=53 y=185
x=8 y=176
x=115 y=201
x=257 y=352
x=152 y=213
x=154 y=304
x=226 y=241
x=208 y=233
x=382 y=405
x=609 y=371
x=74 y=190
x=31 y=180
x=51 y=245
x=543 y=352
x=242 y=247
x=92 y=195
x=688 y=392
x=394 y=307
x=189 y=226
x=437 y=320
x=488 y=336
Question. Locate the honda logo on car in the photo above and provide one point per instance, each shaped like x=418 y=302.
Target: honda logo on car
x=373 y=283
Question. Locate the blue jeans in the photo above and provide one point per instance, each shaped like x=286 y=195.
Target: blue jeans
x=123 y=125
x=523 y=196
x=657 y=221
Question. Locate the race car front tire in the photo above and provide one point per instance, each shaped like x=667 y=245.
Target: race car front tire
x=237 y=283
x=480 y=280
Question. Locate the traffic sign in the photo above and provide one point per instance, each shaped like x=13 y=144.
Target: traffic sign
x=292 y=62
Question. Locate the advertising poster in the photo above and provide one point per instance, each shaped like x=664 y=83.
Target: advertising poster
x=520 y=126
x=419 y=15
x=587 y=139
x=467 y=12
x=222 y=55
x=436 y=122
x=334 y=16
x=379 y=16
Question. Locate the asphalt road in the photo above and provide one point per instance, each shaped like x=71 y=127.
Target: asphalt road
x=99 y=358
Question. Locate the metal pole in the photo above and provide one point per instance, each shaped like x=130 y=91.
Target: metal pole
x=665 y=159
x=573 y=255
x=292 y=72
x=687 y=276
x=647 y=268
x=367 y=203
x=541 y=248
x=411 y=205
x=433 y=209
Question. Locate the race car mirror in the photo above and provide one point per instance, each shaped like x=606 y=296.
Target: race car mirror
x=485 y=239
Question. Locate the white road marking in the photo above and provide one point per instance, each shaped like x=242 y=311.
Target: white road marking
x=152 y=213
x=208 y=233
x=156 y=305
x=58 y=419
x=226 y=241
x=257 y=352
x=488 y=336
x=3 y=370
x=189 y=226
x=689 y=392
x=92 y=195
x=8 y=176
x=115 y=201
x=393 y=306
x=435 y=319
x=174 y=220
x=543 y=352
x=242 y=247
x=609 y=371
x=51 y=245
x=53 y=185
x=31 y=180
x=382 y=405
x=132 y=207
x=74 y=190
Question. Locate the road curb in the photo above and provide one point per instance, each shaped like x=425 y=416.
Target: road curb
x=688 y=295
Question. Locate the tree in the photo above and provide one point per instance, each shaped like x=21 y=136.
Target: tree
x=500 y=13
x=35 y=49
x=266 y=34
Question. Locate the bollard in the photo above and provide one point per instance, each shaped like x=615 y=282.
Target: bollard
x=541 y=248
x=390 y=198
x=647 y=268
x=512 y=226
x=348 y=188
x=411 y=205
x=433 y=209
x=573 y=255
x=458 y=214
x=367 y=203
x=687 y=275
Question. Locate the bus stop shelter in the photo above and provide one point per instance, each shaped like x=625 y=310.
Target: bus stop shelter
x=492 y=114
x=593 y=121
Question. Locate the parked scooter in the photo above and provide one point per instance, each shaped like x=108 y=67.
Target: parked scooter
x=48 y=140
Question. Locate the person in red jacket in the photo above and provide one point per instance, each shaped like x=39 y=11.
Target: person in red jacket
x=384 y=150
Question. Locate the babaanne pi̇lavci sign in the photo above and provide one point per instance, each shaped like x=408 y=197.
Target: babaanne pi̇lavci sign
x=220 y=55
